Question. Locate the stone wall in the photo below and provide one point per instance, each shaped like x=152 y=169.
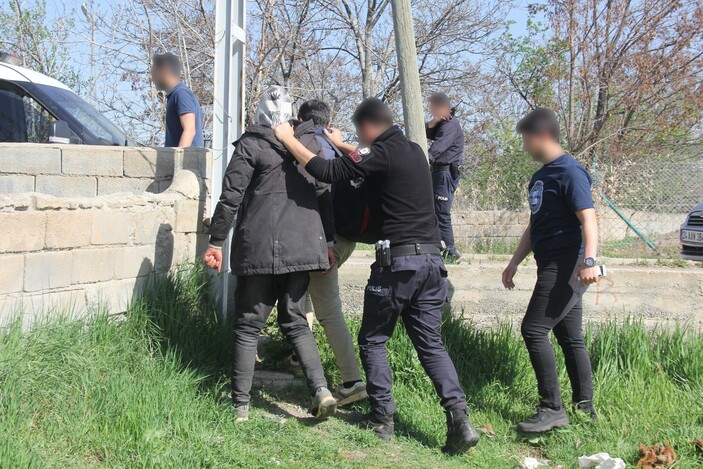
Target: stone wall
x=82 y=227
x=492 y=226
x=504 y=227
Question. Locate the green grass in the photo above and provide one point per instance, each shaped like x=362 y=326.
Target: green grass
x=632 y=247
x=499 y=246
x=147 y=391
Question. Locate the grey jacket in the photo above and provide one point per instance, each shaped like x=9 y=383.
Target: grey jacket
x=278 y=229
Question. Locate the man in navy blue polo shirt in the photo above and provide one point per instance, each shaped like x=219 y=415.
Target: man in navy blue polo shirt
x=184 y=118
x=563 y=235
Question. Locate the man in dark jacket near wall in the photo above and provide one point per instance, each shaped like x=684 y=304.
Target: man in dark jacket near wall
x=446 y=157
x=278 y=240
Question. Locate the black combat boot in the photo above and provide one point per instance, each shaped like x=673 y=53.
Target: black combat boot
x=460 y=433
x=587 y=408
x=382 y=426
x=544 y=420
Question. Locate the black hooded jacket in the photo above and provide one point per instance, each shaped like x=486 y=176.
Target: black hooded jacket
x=275 y=201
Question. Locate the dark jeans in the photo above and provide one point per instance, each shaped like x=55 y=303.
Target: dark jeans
x=444 y=186
x=414 y=288
x=556 y=305
x=254 y=299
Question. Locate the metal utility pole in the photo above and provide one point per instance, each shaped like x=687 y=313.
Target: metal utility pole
x=87 y=9
x=228 y=112
x=409 y=73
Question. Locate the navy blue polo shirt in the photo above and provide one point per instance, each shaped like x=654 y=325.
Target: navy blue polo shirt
x=181 y=100
x=557 y=191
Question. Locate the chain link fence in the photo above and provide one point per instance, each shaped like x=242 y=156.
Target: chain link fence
x=640 y=205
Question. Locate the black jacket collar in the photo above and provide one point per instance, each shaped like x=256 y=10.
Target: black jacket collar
x=304 y=128
x=265 y=133
x=393 y=132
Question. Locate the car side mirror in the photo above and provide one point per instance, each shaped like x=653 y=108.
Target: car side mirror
x=60 y=132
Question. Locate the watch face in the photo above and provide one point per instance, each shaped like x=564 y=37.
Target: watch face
x=589 y=262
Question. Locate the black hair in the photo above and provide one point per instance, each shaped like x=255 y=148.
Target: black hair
x=168 y=61
x=538 y=121
x=374 y=111
x=315 y=110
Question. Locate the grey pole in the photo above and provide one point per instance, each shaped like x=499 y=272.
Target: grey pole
x=228 y=112
x=409 y=73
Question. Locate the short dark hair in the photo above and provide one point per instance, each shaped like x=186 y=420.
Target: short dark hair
x=538 y=121
x=374 y=111
x=168 y=61
x=316 y=111
x=440 y=98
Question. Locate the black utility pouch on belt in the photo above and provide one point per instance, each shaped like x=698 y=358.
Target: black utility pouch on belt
x=455 y=170
x=383 y=253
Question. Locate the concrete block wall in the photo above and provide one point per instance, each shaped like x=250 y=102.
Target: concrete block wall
x=90 y=171
x=83 y=227
x=472 y=226
x=505 y=226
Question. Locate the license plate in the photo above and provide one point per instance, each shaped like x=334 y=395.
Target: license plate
x=690 y=236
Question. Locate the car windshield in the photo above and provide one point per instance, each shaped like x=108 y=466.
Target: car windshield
x=62 y=101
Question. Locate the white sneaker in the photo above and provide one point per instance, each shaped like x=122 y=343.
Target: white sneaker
x=352 y=394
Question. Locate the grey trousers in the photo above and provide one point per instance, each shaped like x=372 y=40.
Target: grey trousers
x=254 y=299
x=324 y=298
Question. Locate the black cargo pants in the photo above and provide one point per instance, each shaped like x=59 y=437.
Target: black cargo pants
x=255 y=297
x=414 y=288
x=444 y=185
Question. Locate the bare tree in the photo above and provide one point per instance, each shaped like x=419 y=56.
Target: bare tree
x=623 y=74
x=127 y=36
x=338 y=51
x=42 y=42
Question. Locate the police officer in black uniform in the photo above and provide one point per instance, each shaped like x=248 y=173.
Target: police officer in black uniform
x=446 y=157
x=408 y=281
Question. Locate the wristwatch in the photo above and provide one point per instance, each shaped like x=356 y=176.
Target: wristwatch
x=589 y=262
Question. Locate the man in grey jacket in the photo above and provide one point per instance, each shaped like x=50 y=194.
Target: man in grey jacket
x=279 y=238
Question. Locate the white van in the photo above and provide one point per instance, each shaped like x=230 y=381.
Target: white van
x=36 y=108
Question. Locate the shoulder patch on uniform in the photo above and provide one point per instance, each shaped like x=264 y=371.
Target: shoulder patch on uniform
x=360 y=155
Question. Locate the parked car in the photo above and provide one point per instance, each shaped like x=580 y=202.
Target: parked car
x=692 y=235
x=36 y=108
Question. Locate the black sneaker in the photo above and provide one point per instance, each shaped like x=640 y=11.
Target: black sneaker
x=461 y=435
x=544 y=420
x=382 y=426
x=587 y=408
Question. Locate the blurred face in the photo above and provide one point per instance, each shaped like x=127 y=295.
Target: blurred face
x=368 y=133
x=158 y=76
x=164 y=79
x=536 y=144
x=440 y=109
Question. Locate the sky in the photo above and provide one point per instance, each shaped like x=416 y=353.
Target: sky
x=517 y=15
x=80 y=57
